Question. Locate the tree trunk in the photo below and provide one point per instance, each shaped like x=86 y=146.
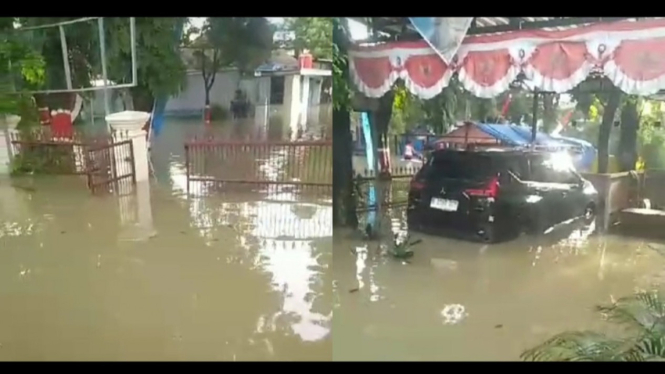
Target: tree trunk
x=380 y=122
x=207 y=114
x=344 y=207
x=606 y=127
x=628 y=140
x=344 y=202
x=550 y=106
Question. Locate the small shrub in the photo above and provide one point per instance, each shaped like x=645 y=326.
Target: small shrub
x=34 y=157
x=219 y=113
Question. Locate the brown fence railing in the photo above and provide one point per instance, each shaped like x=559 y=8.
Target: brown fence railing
x=392 y=192
x=110 y=166
x=104 y=161
x=232 y=161
x=48 y=152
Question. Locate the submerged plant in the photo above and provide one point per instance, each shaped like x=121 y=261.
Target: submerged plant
x=643 y=317
x=401 y=247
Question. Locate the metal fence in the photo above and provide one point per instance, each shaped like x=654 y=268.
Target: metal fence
x=250 y=161
x=390 y=192
x=95 y=155
x=48 y=152
x=110 y=167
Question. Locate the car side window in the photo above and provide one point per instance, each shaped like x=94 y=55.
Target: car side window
x=515 y=167
x=542 y=170
x=539 y=171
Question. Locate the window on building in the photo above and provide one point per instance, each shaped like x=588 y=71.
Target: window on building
x=277 y=90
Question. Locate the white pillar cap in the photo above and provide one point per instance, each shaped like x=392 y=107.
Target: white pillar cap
x=127 y=120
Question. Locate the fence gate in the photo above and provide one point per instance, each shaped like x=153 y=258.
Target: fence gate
x=237 y=162
x=110 y=167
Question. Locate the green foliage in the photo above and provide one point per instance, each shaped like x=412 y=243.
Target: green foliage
x=21 y=67
x=341 y=90
x=160 y=68
x=311 y=33
x=642 y=317
x=445 y=109
x=82 y=43
x=402 y=247
x=37 y=156
x=651 y=135
x=407 y=111
x=244 y=43
x=161 y=71
x=219 y=113
x=42 y=160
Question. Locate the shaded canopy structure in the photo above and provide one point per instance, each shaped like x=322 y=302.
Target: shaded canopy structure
x=542 y=54
x=629 y=52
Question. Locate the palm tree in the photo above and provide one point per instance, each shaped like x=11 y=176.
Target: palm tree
x=643 y=317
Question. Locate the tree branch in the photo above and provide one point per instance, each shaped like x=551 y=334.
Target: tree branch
x=215 y=67
x=203 y=67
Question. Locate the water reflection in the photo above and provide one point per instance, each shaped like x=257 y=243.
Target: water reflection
x=281 y=233
x=280 y=241
x=239 y=276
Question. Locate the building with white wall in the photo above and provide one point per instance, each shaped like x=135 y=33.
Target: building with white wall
x=280 y=90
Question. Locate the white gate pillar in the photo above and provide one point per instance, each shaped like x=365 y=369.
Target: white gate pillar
x=135 y=206
x=128 y=125
x=10 y=133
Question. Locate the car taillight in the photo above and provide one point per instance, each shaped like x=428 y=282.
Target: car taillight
x=417 y=185
x=490 y=190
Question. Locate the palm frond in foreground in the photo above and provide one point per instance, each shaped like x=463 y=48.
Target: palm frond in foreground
x=641 y=315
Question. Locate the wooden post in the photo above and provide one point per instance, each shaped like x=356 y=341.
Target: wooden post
x=534 y=118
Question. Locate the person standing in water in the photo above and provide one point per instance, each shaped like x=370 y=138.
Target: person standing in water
x=409 y=152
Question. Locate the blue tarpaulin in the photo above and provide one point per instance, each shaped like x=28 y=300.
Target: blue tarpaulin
x=515 y=135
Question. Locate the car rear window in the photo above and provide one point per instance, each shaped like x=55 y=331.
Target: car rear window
x=461 y=165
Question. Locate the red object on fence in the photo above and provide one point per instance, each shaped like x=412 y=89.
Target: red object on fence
x=44 y=116
x=61 y=123
x=305 y=61
x=207 y=114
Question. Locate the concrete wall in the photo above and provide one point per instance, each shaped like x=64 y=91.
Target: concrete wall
x=191 y=100
x=616 y=192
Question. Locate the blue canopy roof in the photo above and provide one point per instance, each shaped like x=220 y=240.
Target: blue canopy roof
x=515 y=135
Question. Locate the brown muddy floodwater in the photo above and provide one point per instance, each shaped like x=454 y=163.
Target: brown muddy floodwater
x=463 y=301
x=231 y=277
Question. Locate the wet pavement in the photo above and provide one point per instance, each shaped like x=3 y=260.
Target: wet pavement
x=237 y=276
x=457 y=300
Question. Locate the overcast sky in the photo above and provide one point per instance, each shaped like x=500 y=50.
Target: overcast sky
x=358 y=30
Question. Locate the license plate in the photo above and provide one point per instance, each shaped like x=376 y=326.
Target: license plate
x=444 y=204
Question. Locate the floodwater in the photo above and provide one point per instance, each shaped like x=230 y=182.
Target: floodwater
x=240 y=276
x=458 y=300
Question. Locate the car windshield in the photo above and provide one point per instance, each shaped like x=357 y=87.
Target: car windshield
x=460 y=165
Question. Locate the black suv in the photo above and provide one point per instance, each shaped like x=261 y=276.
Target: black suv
x=491 y=195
